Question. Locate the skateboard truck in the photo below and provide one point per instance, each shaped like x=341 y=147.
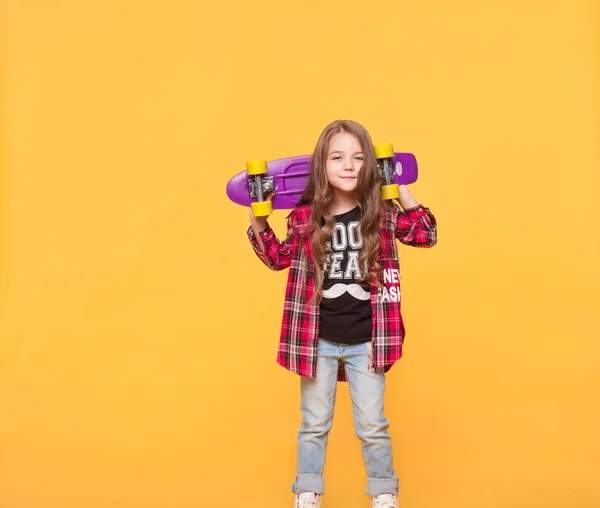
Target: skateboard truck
x=267 y=183
x=259 y=186
x=384 y=154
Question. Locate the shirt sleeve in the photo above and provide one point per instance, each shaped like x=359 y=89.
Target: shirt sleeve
x=416 y=226
x=277 y=254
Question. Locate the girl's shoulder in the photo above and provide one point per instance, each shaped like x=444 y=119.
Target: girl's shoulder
x=300 y=215
x=391 y=209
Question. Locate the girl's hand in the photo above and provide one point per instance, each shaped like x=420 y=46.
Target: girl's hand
x=406 y=199
x=259 y=223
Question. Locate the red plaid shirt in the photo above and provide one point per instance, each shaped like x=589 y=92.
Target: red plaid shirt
x=300 y=327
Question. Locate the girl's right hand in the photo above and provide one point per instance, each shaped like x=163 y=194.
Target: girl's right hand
x=260 y=223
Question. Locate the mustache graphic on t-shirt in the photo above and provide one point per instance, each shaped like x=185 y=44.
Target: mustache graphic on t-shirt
x=339 y=289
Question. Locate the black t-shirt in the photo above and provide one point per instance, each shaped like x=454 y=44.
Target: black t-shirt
x=345 y=314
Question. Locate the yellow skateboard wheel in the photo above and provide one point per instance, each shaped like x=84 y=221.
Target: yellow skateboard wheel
x=256 y=167
x=384 y=151
x=261 y=208
x=390 y=191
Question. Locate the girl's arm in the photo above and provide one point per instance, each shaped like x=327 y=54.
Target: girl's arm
x=273 y=253
x=415 y=225
x=258 y=225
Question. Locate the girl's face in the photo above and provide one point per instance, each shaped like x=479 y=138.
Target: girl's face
x=344 y=161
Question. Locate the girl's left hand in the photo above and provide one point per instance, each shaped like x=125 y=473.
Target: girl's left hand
x=406 y=199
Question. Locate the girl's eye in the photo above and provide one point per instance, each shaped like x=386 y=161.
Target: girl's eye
x=339 y=157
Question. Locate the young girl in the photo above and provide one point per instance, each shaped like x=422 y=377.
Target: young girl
x=341 y=318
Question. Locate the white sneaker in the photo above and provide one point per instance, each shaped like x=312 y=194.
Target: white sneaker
x=385 y=501
x=307 y=500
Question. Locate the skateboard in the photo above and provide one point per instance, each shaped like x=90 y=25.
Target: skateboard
x=288 y=178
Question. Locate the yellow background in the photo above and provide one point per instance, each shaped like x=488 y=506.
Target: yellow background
x=138 y=331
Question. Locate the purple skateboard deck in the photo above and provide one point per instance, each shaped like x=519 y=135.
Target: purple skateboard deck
x=289 y=177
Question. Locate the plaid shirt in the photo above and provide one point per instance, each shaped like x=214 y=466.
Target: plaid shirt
x=300 y=327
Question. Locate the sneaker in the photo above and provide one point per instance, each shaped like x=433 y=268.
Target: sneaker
x=385 y=501
x=307 y=500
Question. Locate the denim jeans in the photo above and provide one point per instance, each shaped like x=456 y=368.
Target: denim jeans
x=367 y=389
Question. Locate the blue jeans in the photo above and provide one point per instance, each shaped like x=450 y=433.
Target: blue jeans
x=367 y=389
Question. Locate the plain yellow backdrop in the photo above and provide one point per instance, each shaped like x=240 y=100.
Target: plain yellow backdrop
x=138 y=331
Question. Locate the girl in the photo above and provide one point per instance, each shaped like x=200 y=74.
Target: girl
x=341 y=318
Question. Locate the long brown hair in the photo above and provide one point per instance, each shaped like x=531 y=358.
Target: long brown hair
x=318 y=194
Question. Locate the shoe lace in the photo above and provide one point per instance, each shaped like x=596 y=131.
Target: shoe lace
x=385 y=503
x=308 y=503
